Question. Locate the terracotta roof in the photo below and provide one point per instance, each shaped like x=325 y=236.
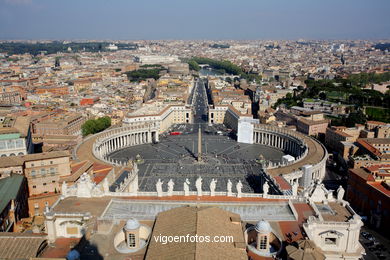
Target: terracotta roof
x=11 y=161
x=313 y=122
x=304 y=250
x=20 y=245
x=203 y=221
x=76 y=171
x=362 y=173
x=369 y=147
x=342 y=133
x=8 y=130
x=43 y=156
x=376 y=167
x=292 y=230
x=376 y=123
x=61 y=248
x=22 y=123
x=20 y=160
x=283 y=184
x=98 y=176
x=380 y=187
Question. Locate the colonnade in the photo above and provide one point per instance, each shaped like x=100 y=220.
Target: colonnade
x=126 y=140
x=283 y=142
x=119 y=138
x=296 y=145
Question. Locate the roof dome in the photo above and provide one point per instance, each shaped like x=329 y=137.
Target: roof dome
x=131 y=224
x=263 y=227
x=73 y=255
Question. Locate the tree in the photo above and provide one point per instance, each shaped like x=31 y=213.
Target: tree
x=357 y=117
x=193 y=65
x=322 y=96
x=93 y=126
x=57 y=62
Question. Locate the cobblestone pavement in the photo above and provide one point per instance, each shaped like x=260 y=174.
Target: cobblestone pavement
x=174 y=157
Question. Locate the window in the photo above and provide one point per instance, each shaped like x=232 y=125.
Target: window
x=330 y=240
x=34 y=186
x=43 y=172
x=53 y=181
x=52 y=170
x=36 y=205
x=33 y=173
x=44 y=184
x=263 y=242
x=51 y=162
x=131 y=240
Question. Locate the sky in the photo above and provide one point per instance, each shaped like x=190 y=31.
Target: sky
x=194 y=20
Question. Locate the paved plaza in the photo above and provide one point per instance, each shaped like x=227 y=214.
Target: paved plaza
x=174 y=157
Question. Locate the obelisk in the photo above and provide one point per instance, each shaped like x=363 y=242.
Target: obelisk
x=199 y=145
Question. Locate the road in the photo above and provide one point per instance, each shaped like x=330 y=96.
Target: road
x=200 y=103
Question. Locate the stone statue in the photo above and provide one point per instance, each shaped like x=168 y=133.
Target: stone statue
x=198 y=184
x=64 y=189
x=105 y=186
x=170 y=187
x=229 y=187
x=186 y=187
x=265 y=188
x=340 y=193
x=159 y=184
x=84 y=186
x=213 y=185
x=239 y=187
x=295 y=189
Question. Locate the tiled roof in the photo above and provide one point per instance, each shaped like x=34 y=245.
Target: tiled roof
x=20 y=245
x=203 y=221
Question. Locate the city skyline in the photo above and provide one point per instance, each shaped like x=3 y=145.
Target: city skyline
x=201 y=20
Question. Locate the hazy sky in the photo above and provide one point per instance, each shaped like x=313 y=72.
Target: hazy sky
x=200 y=19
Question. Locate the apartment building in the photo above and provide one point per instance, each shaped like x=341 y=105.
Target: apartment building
x=15 y=136
x=66 y=123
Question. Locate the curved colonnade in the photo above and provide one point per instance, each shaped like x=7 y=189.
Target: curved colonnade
x=122 y=137
x=310 y=155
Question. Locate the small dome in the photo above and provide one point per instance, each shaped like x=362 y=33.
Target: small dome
x=132 y=224
x=263 y=227
x=73 y=255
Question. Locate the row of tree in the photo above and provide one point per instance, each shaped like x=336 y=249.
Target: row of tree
x=56 y=46
x=143 y=74
x=222 y=67
x=225 y=65
x=362 y=79
x=93 y=126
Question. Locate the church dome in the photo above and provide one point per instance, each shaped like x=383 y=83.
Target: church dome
x=263 y=227
x=132 y=224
